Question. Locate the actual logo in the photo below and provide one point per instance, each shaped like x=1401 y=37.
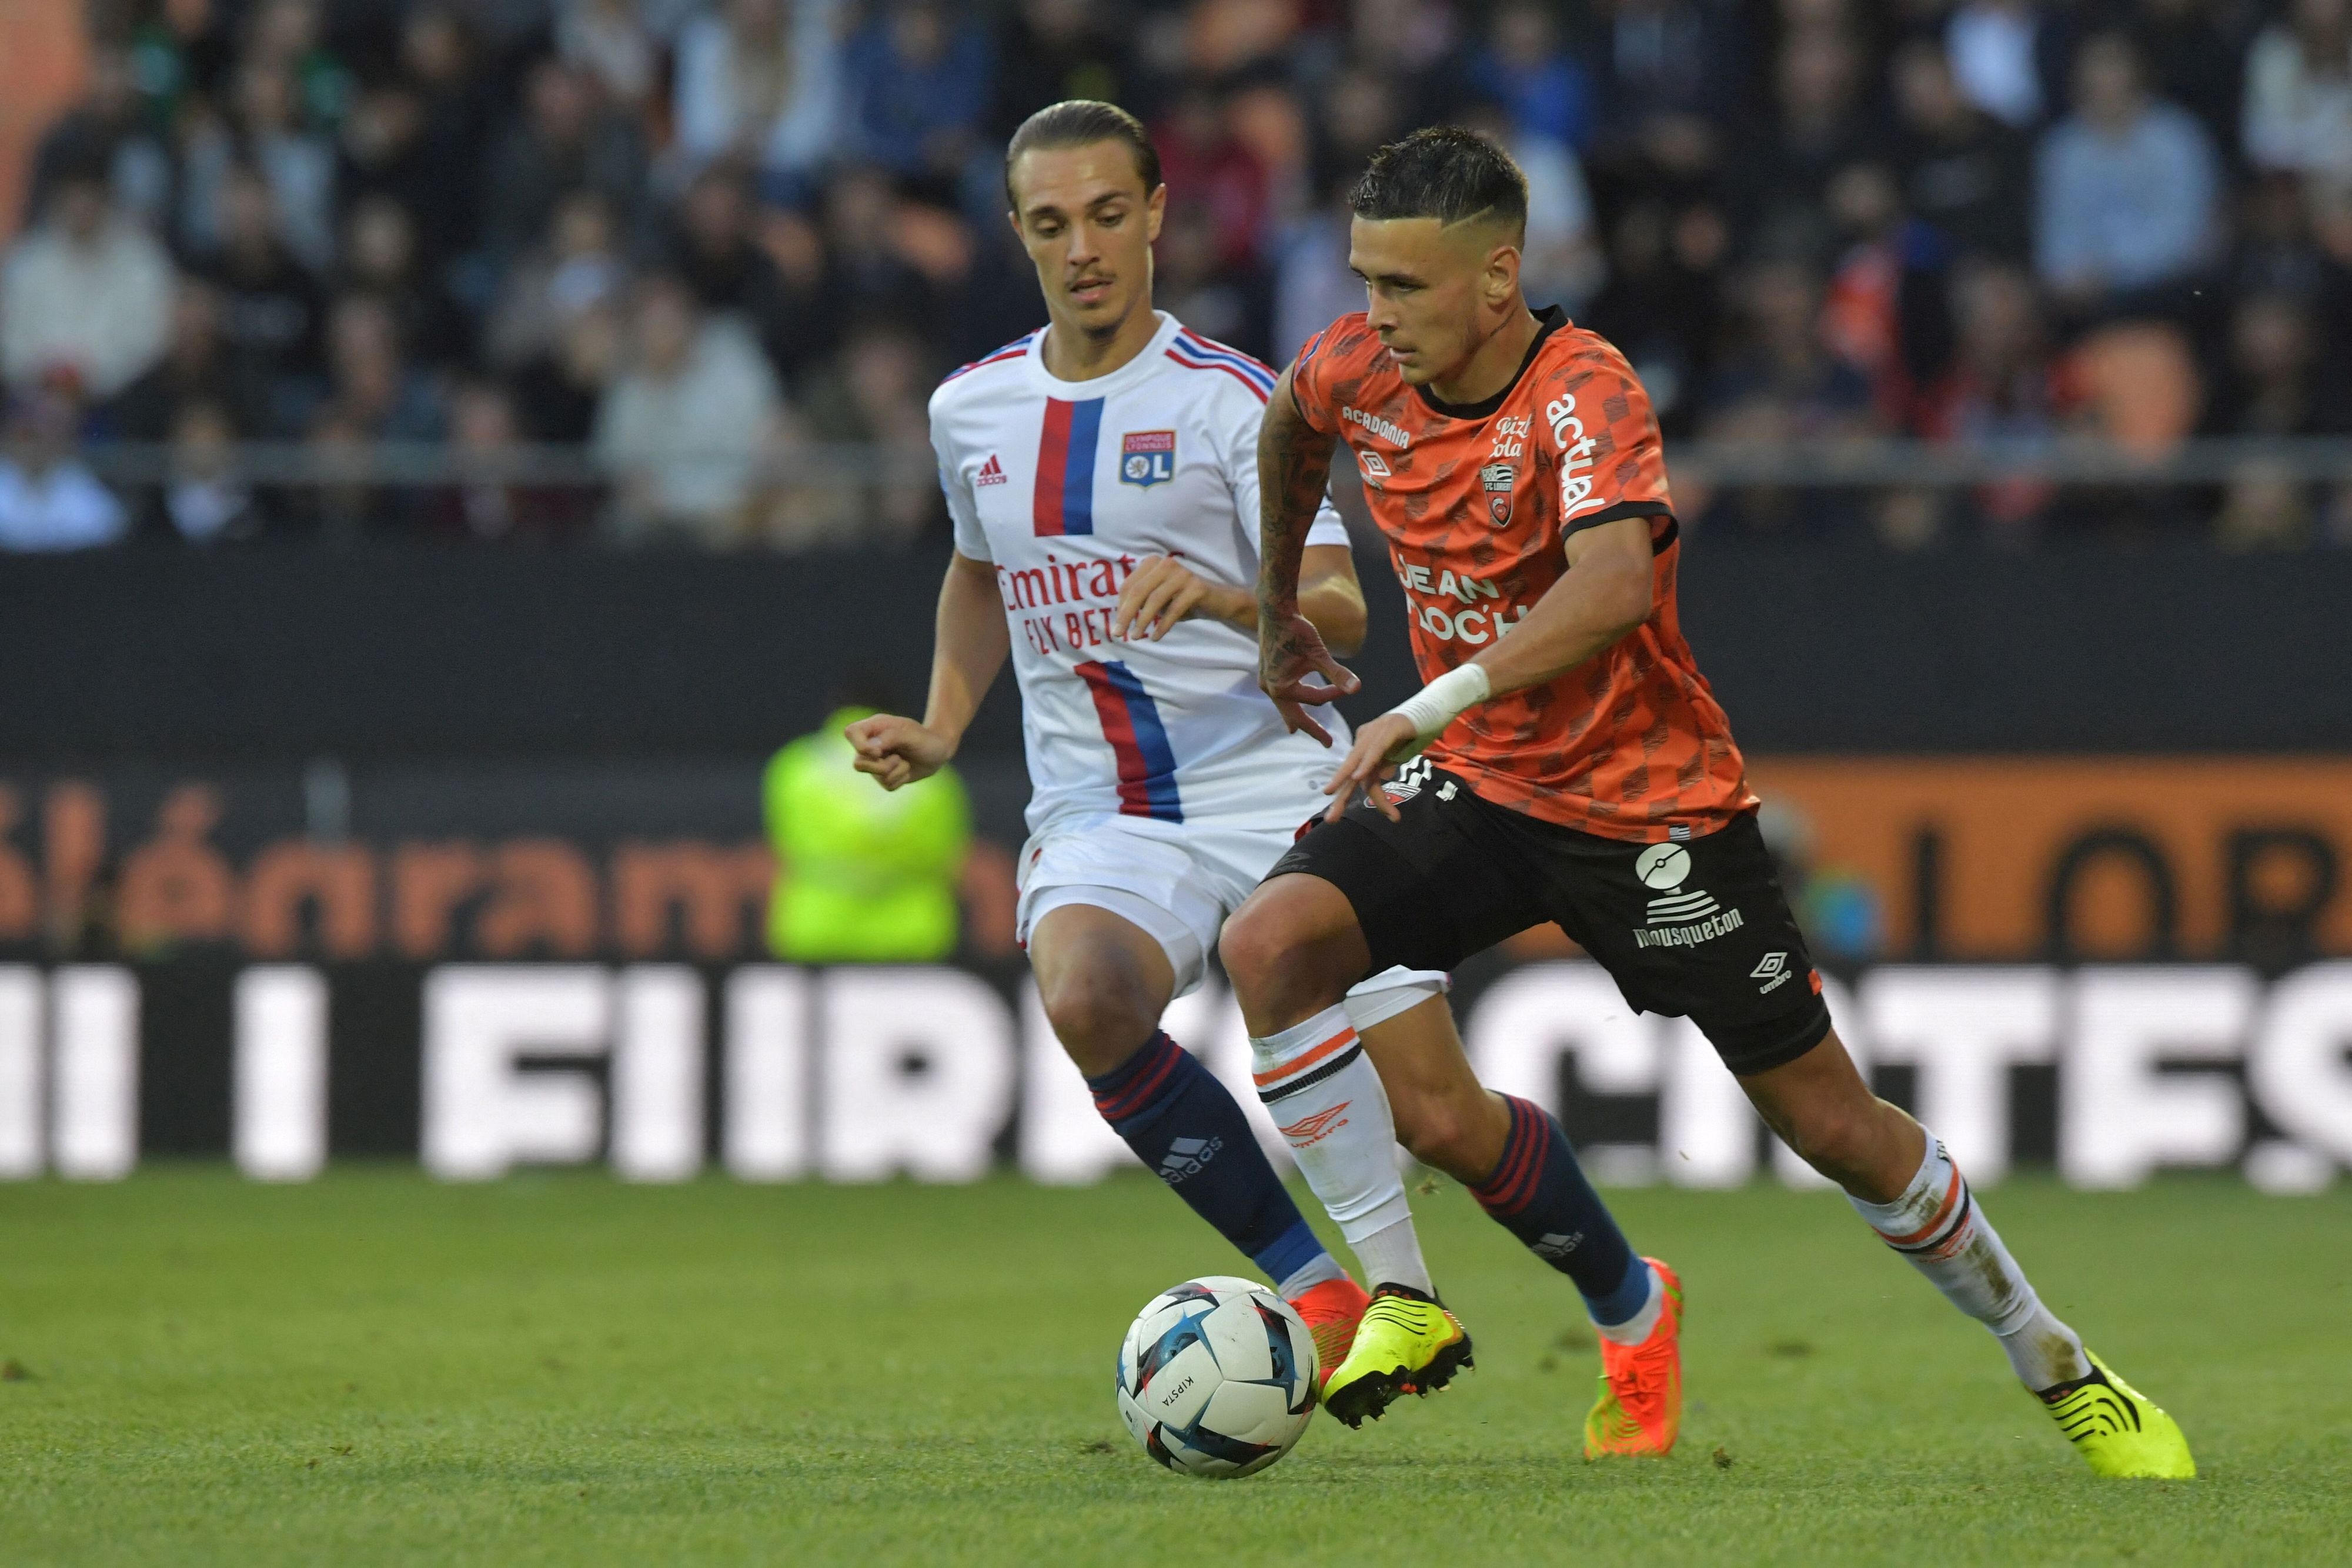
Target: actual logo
x=1309 y=1131
x=1147 y=457
x=1678 y=918
x=990 y=472
x=1497 y=479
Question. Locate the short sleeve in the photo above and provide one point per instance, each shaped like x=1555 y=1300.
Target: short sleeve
x=1605 y=437
x=1241 y=476
x=970 y=538
x=1311 y=382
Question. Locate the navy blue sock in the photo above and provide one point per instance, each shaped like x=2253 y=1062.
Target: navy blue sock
x=1539 y=1195
x=1184 y=1125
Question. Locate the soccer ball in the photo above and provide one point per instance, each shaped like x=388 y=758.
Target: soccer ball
x=1217 y=1377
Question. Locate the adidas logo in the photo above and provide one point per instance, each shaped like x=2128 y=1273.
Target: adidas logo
x=990 y=472
x=1556 y=1246
x=1309 y=1131
x=1185 y=1156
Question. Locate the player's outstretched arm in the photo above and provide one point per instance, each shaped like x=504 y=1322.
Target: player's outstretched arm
x=1294 y=468
x=1606 y=592
x=971 y=644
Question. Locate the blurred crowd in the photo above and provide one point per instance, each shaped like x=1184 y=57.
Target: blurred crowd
x=701 y=237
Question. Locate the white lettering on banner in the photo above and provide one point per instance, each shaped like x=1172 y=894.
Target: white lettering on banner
x=482 y=1114
x=658 y=1058
x=2118 y=1117
x=2301 y=1066
x=767 y=1109
x=918 y=1074
x=1964 y=1030
x=94 y=1010
x=1526 y=1020
x=279 y=1130
x=21 y=1079
x=1707 y=1129
x=1846 y=1018
x=1062 y=1140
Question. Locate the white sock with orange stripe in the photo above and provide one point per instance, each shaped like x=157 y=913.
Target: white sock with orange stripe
x=1326 y=1098
x=1936 y=1223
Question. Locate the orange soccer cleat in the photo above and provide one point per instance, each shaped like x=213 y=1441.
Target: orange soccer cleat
x=1333 y=1311
x=1640 y=1411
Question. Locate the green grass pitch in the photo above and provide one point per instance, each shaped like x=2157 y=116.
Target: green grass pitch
x=559 y=1369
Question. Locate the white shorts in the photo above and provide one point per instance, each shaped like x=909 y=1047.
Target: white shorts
x=1179 y=881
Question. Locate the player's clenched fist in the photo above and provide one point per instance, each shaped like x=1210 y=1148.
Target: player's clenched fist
x=1163 y=591
x=898 y=751
x=1371 y=762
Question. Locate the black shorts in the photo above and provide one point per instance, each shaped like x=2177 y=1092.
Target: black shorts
x=1696 y=928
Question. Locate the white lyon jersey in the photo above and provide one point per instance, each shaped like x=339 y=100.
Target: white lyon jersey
x=1066 y=487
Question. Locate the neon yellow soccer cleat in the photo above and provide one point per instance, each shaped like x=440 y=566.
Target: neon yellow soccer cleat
x=1640 y=1411
x=1407 y=1343
x=2119 y=1430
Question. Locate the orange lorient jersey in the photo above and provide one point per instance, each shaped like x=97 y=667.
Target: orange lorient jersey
x=1477 y=503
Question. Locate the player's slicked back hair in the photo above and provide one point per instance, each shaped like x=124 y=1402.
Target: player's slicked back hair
x=1443 y=173
x=1080 y=122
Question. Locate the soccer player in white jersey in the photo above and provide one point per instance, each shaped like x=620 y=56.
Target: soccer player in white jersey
x=1102 y=475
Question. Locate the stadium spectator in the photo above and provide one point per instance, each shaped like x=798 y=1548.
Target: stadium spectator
x=606 y=41
x=49 y=500
x=1527 y=67
x=2276 y=381
x=1662 y=305
x=577 y=269
x=562 y=142
x=204 y=501
x=182 y=48
x=2195 y=51
x=86 y=292
x=2125 y=188
x=684 y=426
x=1056 y=50
x=2298 y=96
x=760 y=81
x=196 y=366
x=108 y=131
x=2001 y=52
x=1964 y=172
x=369 y=381
x=918 y=83
x=265 y=136
x=485 y=506
x=713 y=248
x=877 y=397
x=558 y=391
x=380 y=259
x=272 y=311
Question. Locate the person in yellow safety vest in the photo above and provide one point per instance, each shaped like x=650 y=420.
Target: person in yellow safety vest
x=863 y=875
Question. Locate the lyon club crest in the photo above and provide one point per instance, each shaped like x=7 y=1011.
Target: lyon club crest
x=1147 y=457
x=1497 y=479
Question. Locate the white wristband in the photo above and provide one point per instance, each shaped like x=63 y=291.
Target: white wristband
x=1441 y=702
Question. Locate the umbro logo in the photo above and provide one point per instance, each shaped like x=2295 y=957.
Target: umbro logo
x=990 y=472
x=1309 y=1131
x=1185 y=1158
x=1774 y=971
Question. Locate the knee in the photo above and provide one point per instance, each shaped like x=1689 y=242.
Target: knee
x=1279 y=970
x=1098 y=1016
x=1834 y=1139
x=1250 y=947
x=1463 y=1141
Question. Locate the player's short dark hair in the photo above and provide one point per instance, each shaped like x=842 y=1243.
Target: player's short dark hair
x=1445 y=172
x=1081 y=123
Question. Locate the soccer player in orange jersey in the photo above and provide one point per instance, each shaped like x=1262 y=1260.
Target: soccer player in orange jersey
x=1577 y=770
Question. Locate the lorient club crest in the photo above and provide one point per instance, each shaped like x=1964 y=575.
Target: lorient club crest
x=1497 y=479
x=1147 y=457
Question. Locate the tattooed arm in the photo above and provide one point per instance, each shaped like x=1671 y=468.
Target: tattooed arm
x=1294 y=467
